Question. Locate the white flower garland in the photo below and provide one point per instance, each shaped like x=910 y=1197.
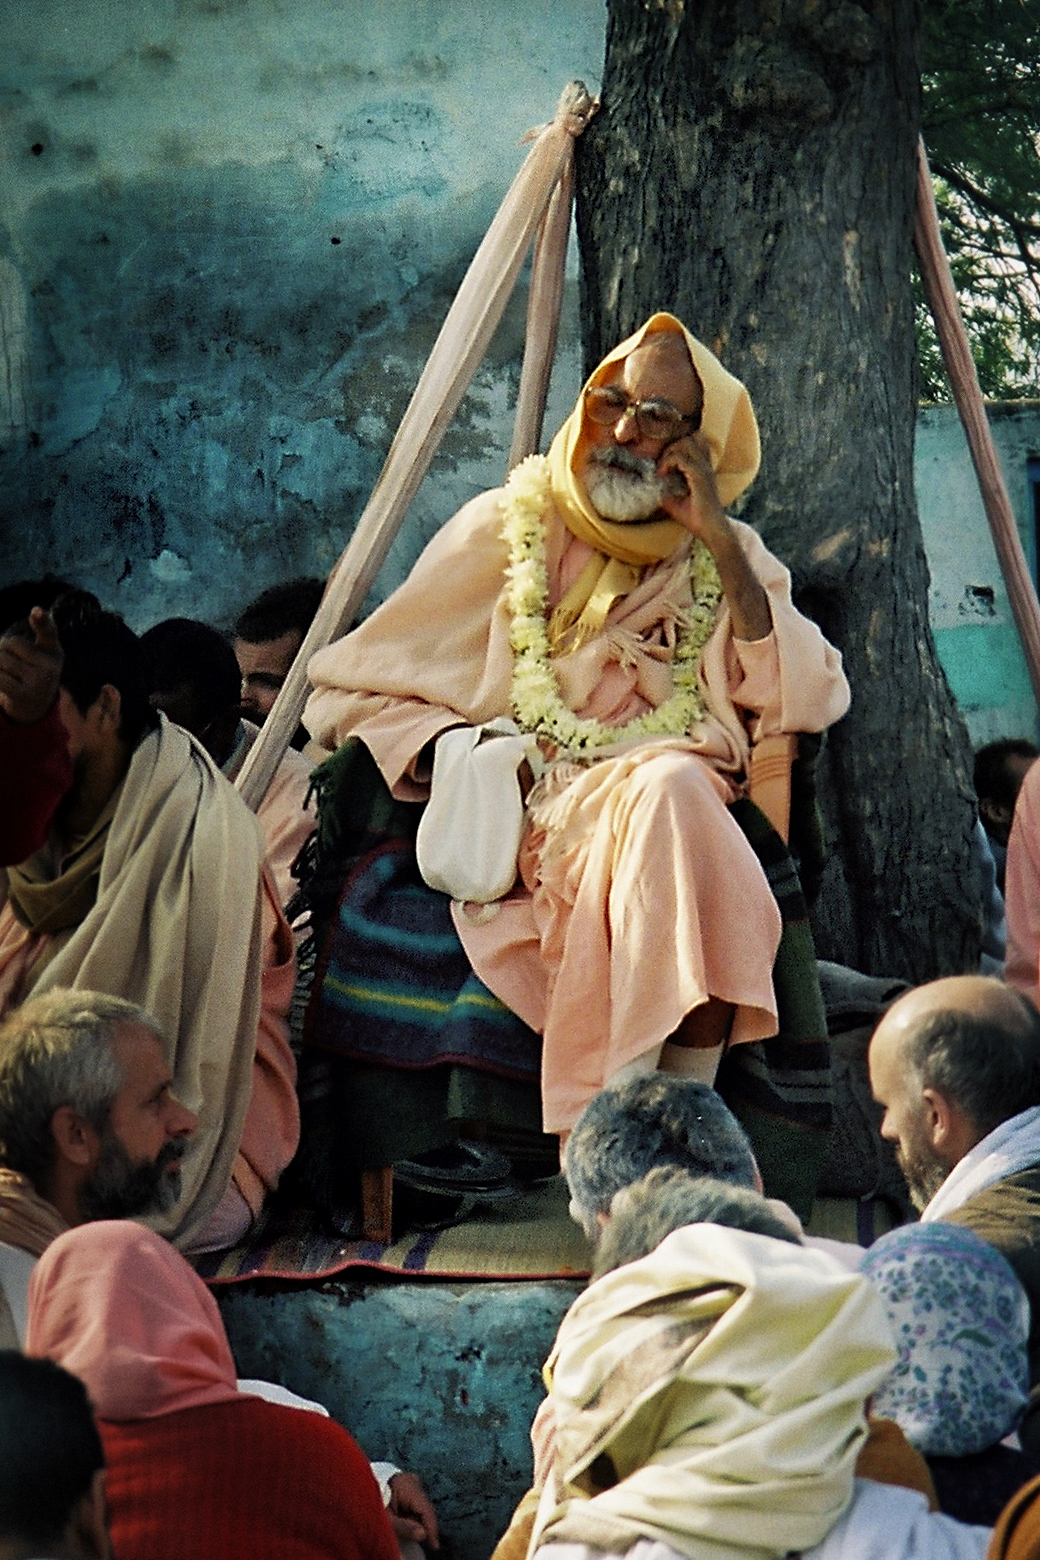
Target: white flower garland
x=537 y=703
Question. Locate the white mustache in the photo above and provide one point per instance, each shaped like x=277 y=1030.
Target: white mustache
x=617 y=457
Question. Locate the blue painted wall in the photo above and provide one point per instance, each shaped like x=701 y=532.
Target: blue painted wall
x=229 y=232
x=968 y=605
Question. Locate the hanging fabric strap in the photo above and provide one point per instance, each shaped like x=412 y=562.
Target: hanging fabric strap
x=539 y=198
x=942 y=300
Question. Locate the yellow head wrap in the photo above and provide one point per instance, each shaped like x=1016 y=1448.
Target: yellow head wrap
x=625 y=547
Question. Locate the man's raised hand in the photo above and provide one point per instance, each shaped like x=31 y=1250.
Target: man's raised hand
x=30 y=670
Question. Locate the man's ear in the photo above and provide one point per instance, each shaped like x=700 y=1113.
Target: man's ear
x=87 y=1530
x=942 y=1121
x=995 y=812
x=74 y=1138
x=109 y=706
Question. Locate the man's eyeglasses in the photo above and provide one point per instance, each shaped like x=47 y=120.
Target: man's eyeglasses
x=655 y=419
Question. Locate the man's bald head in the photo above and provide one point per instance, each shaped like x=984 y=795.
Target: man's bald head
x=949 y=1062
x=664 y=358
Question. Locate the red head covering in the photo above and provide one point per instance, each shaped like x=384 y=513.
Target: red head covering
x=121 y=1309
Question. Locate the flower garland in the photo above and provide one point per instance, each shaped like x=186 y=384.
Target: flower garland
x=537 y=703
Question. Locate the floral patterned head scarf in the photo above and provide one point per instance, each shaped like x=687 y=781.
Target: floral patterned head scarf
x=961 y=1320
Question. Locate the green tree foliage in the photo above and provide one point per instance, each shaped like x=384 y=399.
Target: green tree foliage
x=981 y=127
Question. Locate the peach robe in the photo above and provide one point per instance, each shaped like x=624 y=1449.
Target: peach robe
x=639 y=895
x=286 y=816
x=1022 y=891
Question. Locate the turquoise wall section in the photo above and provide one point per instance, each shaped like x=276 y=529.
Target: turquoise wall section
x=443 y=1379
x=229 y=233
x=971 y=617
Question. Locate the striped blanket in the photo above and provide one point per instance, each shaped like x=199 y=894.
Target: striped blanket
x=411 y=1042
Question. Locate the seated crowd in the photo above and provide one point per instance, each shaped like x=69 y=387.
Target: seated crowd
x=727 y=1386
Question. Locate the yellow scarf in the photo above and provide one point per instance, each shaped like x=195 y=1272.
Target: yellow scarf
x=624 y=548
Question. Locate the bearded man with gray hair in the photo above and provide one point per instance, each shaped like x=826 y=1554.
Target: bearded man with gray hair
x=955 y=1064
x=89 y=1128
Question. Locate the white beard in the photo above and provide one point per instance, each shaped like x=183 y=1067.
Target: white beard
x=623 y=495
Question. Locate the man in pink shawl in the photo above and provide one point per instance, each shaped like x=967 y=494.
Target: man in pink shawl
x=606 y=601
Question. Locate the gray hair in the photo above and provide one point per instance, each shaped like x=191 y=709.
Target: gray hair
x=657 y=1119
x=988 y=1066
x=55 y=1050
x=668 y=1199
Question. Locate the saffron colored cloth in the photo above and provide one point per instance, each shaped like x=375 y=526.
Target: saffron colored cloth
x=184 y=922
x=35 y=773
x=618 y=854
x=1016 y=1535
x=1022 y=890
x=26 y=1219
x=712 y=1397
x=194 y=1467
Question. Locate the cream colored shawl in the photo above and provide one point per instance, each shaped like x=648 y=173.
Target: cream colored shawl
x=176 y=929
x=712 y=1397
x=27 y=1220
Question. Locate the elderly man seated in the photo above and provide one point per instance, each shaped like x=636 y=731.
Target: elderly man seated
x=151 y=886
x=605 y=599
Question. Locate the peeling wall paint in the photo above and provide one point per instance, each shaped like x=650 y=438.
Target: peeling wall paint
x=968 y=603
x=229 y=233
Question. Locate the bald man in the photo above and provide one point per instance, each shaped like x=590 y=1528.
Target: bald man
x=956 y=1066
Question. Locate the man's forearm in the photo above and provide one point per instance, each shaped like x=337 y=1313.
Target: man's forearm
x=747 y=601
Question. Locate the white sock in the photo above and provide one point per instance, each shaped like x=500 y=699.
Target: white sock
x=700 y=1062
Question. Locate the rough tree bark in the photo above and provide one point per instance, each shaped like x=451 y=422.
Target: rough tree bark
x=752 y=169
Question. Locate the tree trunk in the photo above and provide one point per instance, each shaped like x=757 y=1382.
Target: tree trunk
x=752 y=170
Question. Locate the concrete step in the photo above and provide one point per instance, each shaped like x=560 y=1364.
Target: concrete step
x=440 y=1378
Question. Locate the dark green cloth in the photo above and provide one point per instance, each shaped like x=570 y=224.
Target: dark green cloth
x=780 y=1089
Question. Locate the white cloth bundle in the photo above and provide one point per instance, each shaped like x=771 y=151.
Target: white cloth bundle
x=470 y=832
